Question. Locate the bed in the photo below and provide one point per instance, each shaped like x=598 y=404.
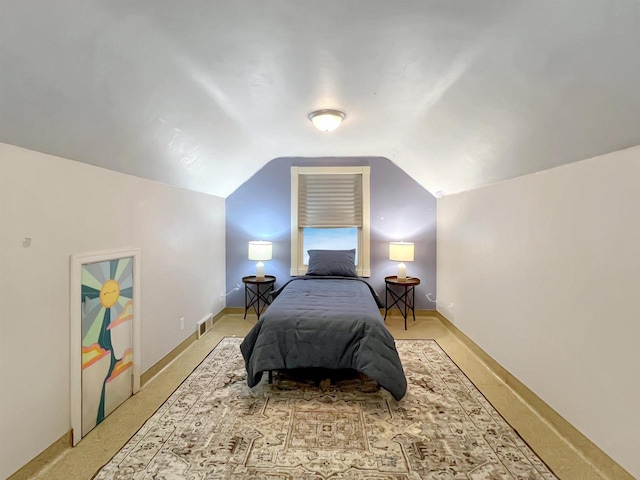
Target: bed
x=325 y=321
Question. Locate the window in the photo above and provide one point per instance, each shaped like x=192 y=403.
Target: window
x=340 y=238
x=330 y=211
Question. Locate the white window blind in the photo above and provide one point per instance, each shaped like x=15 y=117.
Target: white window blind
x=326 y=200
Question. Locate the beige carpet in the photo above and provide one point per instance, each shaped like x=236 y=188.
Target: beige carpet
x=313 y=427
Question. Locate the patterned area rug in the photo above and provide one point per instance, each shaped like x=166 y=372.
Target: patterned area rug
x=314 y=426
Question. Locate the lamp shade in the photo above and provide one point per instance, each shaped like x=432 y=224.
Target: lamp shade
x=401 y=251
x=259 y=250
x=326 y=120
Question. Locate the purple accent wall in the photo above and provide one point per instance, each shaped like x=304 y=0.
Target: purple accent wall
x=260 y=209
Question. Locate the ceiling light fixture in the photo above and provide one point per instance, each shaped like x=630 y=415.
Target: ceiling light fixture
x=327 y=120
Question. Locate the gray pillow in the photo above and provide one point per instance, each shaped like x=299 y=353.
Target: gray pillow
x=339 y=263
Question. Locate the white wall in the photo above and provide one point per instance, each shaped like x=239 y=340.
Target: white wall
x=544 y=275
x=67 y=207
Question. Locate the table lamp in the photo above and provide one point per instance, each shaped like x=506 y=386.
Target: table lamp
x=259 y=250
x=401 y=252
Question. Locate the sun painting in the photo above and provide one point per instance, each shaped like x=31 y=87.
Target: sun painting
x=107 y=337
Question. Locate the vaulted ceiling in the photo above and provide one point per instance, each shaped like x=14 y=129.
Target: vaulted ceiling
x=202 y=94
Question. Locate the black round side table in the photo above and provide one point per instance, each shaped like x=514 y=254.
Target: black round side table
x=405 y=300
x=257 y=292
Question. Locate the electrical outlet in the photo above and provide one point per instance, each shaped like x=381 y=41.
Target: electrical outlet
x=182 y=323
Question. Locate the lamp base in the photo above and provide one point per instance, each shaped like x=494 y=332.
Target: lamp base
x=402 y=271
x=260 y=271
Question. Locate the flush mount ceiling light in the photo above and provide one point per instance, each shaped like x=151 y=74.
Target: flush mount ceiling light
x=327 y=120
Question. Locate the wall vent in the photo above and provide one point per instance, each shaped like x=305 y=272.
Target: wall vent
x=204 y=325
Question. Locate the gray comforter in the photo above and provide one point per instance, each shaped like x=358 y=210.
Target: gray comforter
x=325 y=322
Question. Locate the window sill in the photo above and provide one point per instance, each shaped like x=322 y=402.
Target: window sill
x=296 y=272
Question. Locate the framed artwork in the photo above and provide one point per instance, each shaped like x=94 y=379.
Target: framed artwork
x=105 y=335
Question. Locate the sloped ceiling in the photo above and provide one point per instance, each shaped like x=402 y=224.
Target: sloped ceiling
x=202 y=94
